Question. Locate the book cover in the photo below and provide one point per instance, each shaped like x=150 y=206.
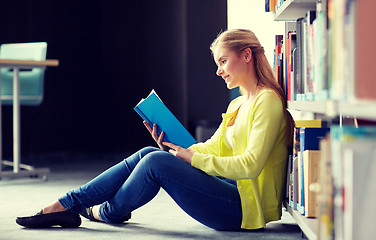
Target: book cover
x=291 y=45
x=320 y=51
x=365 y=49
x=339 y=137
x=297 y=165
x=310 y=137
x=267 y=6
x=154 y=111
x=294 y=74
x=311 y=160
x=304 y=55
x=311 y=16
x=277 y=58
x=289 y=186
x=300 y=187
x=290 y=27
x=359 y=191
x=337 y=52
x=316 y=123
x=309 y=140
x=295 y=184
x=325 y=194
x=288 y=172
x=298 y=69
x=272 y=4
x=288 y=67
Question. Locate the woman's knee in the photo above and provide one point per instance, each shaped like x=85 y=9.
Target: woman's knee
x=146 y=150
x=132 y=161
x=158 y=160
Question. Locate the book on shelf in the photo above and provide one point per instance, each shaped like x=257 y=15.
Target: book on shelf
x=294 y=73
x=365 y=48
x=298 y=70
x=320 y=62
x=315 y=123
x=296 y=163
x=278 y=59
x=154 y=111
x=294 y=195
x=288 y=185
x=311 y=160
x=332 y=58
x=267 y=5
x=359 y=191
x=309 y=140
x=273 y=5
x=332 y=61
x=270 y=5
x=325 y=193
x=337 y=52
x=340 y=137
x=290 y=48
x=309 y=56
x=309 y=59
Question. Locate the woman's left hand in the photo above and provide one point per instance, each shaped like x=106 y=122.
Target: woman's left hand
x=180 y=152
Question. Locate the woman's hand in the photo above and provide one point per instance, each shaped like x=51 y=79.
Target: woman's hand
x=154 y=134
x=180 y=152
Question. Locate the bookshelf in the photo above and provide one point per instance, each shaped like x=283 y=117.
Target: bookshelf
x=311 y=106
x=334 y=105
x=308 y=225
x=362 y=110
x=291 y=10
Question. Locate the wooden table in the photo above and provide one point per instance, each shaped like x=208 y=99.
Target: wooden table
x=19 y=169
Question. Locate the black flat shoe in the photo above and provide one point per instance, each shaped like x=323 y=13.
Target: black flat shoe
x=64 y=219
x=88 y=213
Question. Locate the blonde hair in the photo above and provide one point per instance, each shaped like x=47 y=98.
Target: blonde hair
x=238 y=40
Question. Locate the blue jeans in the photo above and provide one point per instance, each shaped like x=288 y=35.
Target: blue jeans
x=128 y=185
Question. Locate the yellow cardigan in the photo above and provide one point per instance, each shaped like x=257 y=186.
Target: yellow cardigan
x=257 y=159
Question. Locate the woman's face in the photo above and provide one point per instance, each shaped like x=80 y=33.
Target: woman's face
x=232 y=67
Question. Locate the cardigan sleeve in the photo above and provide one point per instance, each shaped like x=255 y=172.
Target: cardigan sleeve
x=265 y=119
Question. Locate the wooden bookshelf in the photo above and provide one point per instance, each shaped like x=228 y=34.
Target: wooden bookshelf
x=291 y=10
x=309 y=226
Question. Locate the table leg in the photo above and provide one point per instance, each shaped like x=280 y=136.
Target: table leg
x=16 y=121
x=1 y=133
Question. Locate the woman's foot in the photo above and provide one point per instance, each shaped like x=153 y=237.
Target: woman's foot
x=53 y=208
x=53 y=215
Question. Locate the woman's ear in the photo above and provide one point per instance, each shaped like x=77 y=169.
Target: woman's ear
x=247 y=54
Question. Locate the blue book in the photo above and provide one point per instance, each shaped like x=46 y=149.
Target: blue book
x=154 y=111
x=309 y=140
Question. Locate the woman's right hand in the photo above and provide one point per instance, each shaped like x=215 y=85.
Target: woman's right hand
x=154 y=134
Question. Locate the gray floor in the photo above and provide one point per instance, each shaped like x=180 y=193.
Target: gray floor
x=160 y=219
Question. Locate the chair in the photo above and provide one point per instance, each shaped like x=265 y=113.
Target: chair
x=30 y=93
x=31 y=80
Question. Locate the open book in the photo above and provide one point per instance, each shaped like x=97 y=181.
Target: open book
x=153 y=111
